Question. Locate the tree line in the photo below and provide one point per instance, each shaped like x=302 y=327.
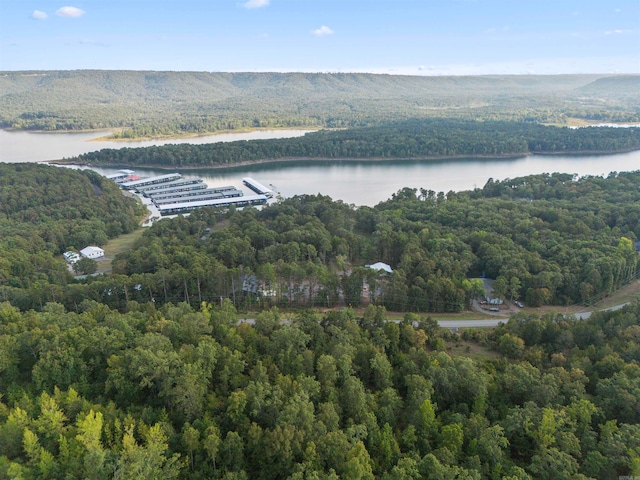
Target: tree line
x=177 y=392
x=397 y=140
x=548 y=239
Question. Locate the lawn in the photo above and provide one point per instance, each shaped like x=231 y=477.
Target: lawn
x=117 y=245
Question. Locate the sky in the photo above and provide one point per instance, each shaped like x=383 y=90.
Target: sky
x=413 y=37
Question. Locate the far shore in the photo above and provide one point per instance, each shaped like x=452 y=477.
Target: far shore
x=247 y=163
x=110 y=138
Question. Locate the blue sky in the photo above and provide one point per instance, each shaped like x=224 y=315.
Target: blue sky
x=417 y=37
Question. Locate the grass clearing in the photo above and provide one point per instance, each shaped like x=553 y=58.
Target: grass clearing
x=121 y=243
x=462 y=348
x=625 y=294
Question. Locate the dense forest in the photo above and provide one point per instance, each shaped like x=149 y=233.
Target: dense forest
x=148 y=372
x=45 y=211
x=152 y=104
x=397 y=140
x=176 y=392
x=530 y=234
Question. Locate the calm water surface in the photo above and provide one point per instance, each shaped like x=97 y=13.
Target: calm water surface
x=358 y=183
x=23 y=147
x=369 y=183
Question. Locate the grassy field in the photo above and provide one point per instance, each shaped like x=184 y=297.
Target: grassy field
x=118 y=245
x=625 y=294
x=478 y=352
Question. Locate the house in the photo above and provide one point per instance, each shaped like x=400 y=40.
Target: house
x=92 y=252
x=380 y=266
x=251 y=284
x=71 y=257
x=493 y=301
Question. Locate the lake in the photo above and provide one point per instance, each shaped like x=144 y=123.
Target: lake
x=368 y=183
x=20 y=147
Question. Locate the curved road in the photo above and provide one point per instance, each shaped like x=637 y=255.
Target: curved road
x=494 y=322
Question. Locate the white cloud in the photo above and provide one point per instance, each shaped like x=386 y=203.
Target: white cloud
x=617 y=32
x=618 y=10
x=255 y=4
x=322 y=31
x=38 y=15
x=72 y=12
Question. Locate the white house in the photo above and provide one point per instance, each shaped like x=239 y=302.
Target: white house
x=92 y=252
x=380 y=266
x=71 y=257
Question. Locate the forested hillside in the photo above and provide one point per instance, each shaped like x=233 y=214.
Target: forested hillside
x=46 y=210
x=397 y=140
x=172 y=103
x=148 y=373
x=546 y=239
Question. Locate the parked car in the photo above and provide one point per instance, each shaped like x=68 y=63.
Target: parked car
x=494 y=309
x=519 y=304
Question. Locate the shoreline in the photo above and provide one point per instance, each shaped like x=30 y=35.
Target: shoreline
x=109 y=138
x=284 y=160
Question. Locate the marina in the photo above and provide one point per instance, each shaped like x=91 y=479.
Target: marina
x=192 y=187
x=136 y=184
x=121 y=176
x=183 y=182
x=257 y=187
x=171 y=194
x=195 y=195
x=184 y=207
x=192 y=198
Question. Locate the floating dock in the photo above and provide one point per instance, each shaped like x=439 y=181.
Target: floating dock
x=187 y=198
x=170 y=177
x=122 y=176
x=184 y=207
x=257 y=187
x=195 y=187
x=158 y=187
x=184 y=194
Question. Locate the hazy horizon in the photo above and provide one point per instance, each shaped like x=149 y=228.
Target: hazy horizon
x=402 y=37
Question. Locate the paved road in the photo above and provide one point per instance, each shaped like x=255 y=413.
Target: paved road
x=585 y=315
x=492 y=322
x=451 y=324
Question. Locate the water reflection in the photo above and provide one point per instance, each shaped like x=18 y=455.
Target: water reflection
x=368 y=183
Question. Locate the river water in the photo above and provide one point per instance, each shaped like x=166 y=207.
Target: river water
x=358 y=183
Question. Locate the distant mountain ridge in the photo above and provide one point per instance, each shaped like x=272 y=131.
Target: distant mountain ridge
x=621 y=85
x=157 y=102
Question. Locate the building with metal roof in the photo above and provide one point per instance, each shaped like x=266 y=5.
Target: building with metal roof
x=181 y=188
x=380 y=266
x=151 y=181
x=187 y=198
x=257 y=187
x=149 y=189
x=92 y=252
x=184 y=207
x=194 y=195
